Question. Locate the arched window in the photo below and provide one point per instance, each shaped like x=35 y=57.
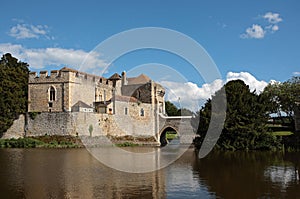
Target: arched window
x=52 y=94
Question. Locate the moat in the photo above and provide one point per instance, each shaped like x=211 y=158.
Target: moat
x=74 y=173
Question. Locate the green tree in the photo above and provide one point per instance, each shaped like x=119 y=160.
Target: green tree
x=13 y=89
x=185 y=112
x=171 y=109
x=283 y=98
x=246 y=118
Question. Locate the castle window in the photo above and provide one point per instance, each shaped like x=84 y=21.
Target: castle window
x=138 y=94
x=142 y=112
x=52 y=94
x=50 y=104
x=126 y=110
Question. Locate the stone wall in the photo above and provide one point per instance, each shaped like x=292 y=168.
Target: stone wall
x=64 y=123
x=103 y=92
x=50 y=124
x=88 y=124
x=38 y=91
x=39 y=97
x=133 y=123
x=70 y=87
x=82 y=90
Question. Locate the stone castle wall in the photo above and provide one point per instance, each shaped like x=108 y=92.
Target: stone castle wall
x=70 y=86
x=67 y=123
x=40 y=94
x=88 y=124
x=133 y=123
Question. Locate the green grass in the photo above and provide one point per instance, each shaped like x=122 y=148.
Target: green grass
x=38 y=142
x=171 y=136
x=126 y=144
x=282 y=133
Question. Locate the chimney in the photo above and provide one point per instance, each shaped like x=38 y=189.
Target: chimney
x=124 y=79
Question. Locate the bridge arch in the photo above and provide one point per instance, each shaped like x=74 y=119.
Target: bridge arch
x=163 y=134
x=180 y=124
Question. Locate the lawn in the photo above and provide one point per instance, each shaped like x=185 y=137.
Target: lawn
x=282 y=133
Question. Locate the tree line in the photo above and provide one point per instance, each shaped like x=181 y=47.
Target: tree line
x=252 y=119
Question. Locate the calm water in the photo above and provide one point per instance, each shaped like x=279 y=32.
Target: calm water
x=74 y=173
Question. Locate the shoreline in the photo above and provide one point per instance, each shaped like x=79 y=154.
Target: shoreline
x=57 y=141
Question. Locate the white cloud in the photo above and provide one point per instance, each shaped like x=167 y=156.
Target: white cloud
x=26 y=31
x=249 y=79
x=296 y=73
x=273 y=18
x=256 y=31
x=42 y=57
x=272 y=28
x=188 y=94
x=259 y=31
x=192 y=96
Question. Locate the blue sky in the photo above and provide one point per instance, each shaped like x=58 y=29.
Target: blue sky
x=246 y=39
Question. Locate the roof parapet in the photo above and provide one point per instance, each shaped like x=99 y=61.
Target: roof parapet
x=43 y=74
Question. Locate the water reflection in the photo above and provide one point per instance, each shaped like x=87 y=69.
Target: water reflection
x=282 y=175
x=249 y=175
x=50 y=173
x=74 y=173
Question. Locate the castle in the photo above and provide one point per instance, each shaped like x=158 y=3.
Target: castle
x=69 y=90
x=70 y=102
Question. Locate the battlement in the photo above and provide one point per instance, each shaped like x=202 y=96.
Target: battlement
x=65 y=75
x=43 y=76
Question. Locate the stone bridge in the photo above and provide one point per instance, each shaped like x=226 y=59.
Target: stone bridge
x=180 y=124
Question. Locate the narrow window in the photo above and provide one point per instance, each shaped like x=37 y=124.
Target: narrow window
x=126 y=110
x=52 y=94
x=142 y=112
x=139 y=94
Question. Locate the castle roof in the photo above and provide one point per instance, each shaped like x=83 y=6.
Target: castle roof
x=115 y=76
x=141 y=79
x=81 y=104
x=68 y=69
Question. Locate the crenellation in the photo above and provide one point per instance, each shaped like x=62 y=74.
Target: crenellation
x=54 y=73
x=32 y=75
x=43 y=74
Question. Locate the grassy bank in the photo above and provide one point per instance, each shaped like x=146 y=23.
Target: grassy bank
x=42 y=142
x=126 y=144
